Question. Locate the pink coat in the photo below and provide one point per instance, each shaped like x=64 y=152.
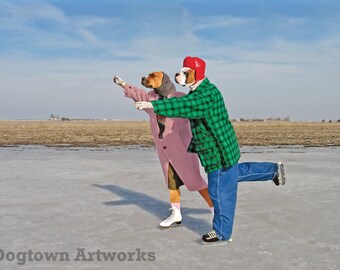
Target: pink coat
x=173 y=147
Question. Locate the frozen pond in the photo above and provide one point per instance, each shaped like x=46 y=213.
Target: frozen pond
x=82 y=204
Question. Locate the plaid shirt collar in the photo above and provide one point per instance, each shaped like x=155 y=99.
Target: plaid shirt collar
x=200 y=86
x=194 y=86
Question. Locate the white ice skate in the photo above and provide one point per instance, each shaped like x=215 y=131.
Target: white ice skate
x=175 y=217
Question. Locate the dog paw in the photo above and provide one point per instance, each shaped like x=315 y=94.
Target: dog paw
x=118 y=81
x=142 y=105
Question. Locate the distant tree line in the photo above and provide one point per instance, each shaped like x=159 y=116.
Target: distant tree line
x=330 y=121
x=56 y=117
x=287 y=119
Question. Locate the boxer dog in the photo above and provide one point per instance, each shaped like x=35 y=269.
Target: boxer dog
x=186 y=77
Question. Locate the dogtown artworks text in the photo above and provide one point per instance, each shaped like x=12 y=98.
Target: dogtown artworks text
x=22 y=257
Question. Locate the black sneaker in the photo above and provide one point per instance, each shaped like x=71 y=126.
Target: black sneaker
x=210 y=237
x=280 y=178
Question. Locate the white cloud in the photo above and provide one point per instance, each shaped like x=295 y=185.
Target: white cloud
x=278 y=77
x=209 y=22
x=43 y=23
x=20 y=15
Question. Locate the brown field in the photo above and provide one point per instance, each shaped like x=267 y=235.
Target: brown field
x=98 y=133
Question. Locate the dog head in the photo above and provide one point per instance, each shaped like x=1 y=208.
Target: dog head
x=160 y=82
x=193 y=71
x=153 y=80
x=186 y=77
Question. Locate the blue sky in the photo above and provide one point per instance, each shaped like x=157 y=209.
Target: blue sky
x=269 y=58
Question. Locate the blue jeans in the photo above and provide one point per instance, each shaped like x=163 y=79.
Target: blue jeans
x=257 y=171
x=222 y=185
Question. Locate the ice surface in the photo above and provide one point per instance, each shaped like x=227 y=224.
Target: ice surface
x=109 y=199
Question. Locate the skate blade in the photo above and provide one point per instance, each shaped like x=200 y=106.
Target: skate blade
x=173 y=225
x=218 y=243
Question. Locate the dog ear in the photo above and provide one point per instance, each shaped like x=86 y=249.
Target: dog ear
x=190 y=78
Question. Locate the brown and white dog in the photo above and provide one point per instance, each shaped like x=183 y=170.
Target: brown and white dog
x=160 y=83
x=192 y=73
x=153 y=80
x=171 y=137
x=186 y=77
x=163 y=87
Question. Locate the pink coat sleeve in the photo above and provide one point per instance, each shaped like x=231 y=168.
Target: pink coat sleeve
x=135 y=93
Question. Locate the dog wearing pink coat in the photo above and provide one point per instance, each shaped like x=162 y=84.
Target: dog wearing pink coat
x=171 y=137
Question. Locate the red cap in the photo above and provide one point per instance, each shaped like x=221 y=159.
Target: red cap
x=196 y=64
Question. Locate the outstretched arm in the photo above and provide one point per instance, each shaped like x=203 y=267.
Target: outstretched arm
x=131 y=91
x=189 y=106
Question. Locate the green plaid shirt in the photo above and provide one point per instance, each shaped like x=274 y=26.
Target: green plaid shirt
x=213 y=136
